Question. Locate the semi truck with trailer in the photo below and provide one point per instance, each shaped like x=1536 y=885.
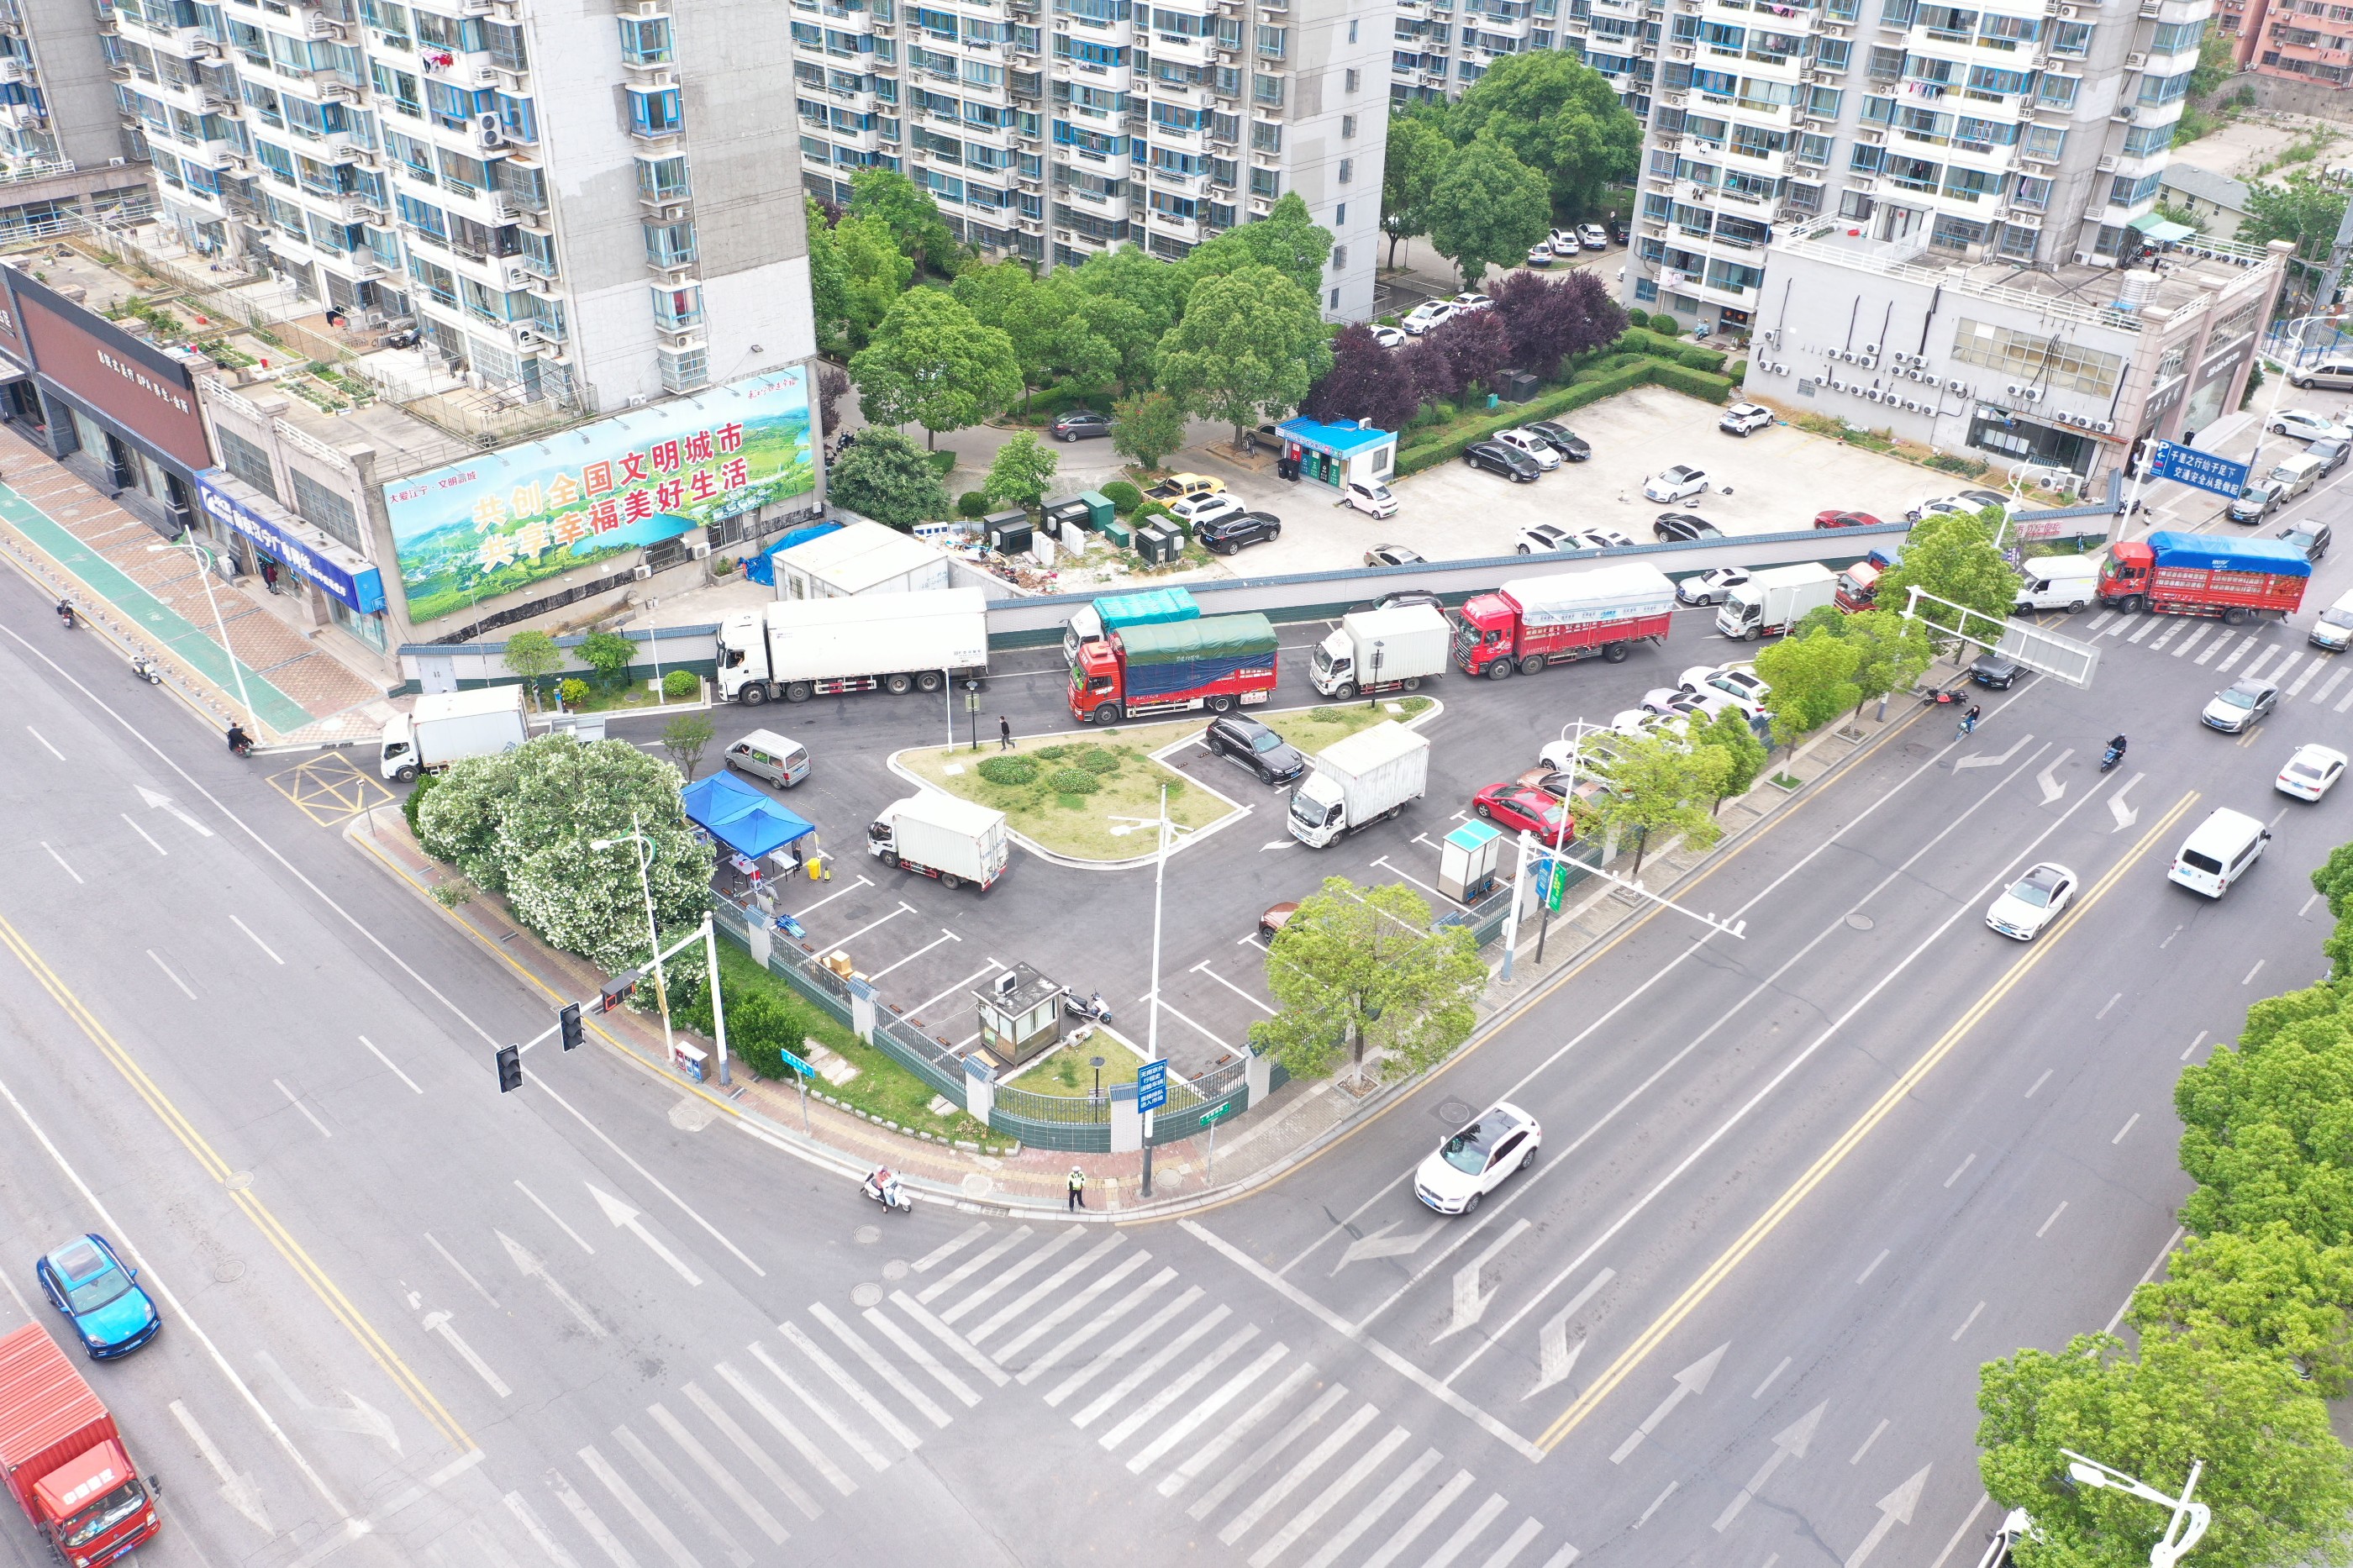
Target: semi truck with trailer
x=898 y=642
x=1531 y=621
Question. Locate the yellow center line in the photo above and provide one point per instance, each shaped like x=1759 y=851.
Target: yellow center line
x=1896 y=1093
x=329 y=1294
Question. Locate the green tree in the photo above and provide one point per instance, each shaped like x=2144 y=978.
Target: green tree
x=535 y=657
x=875 y=273
x=2276 y=1293
x=2267 y=1127
x=1352 y=969
x=914 y=218
x=1020 y=473
x=886 y=477
x=2276 y=1475
x=1658 y=784
x=1952 y=556
x=1416 y=155
x=1486 y=208
x=930 y=363
x=828 y=278
x=1811 y=679
x=609 y=654
x=1891 y=651
x=1250 y=345
x=684 y=737
x=2218 y=58
x=2303 y=208
x=1007 y=297
x=1744 y=755
x=520 y=824
x=1149 y=427
x=1156 y=288
x=1561 y=118
x=1286 y=239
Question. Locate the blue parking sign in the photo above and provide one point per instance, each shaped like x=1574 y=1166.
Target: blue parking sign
x=1152 y=1086
x=2203 y=470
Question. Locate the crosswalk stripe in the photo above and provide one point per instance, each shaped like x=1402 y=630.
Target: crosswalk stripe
x=728 y=1427
x=648 y=1520
x=2217 y=646
x=1313 y=1460
x=948 y=1250
x=1133 y=1338
x=1529 y=1529
x=1364 y=1518
x=1046 y=1288
x=1103 y=1320
x=1281 y=1443
x=924 y=1405
x=1010 y=1276
x=2186 y=643
x=922 y=1358
x=950 y=1338
x=2237 y=654
x=596 y=1528
x=1178 y=1387
x=1184 y=1426
x=1323 y=1502
x=2147 y=627
x=1076 y=1304
x=1148 y=1368
x=533 y=1526
x=825 y=1412
x=1468 y=1531
x=2280 y=673
x=692 y=1447
x=489 y=1545
x=680 y=1494
x=2172 y=632
x=817 y=1458
x=1564 y=1557
x=2329 y=685
x=2314 y=668
x=1215 y=1449
x=2343 y=703
x=1423 y=1517
x=2262 y=659
x=971 y=1266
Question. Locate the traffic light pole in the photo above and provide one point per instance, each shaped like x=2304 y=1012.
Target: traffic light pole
x=569 y=1026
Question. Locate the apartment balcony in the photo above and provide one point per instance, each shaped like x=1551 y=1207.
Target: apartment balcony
x=22 y=117
x=1188 y=229
x=180 y=41
x=1194 y=185
x=1177 y=48
x=1768 y=165
x=1105 y=79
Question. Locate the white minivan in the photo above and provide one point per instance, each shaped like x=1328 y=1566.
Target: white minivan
x=2219 y=852
x=764 y=754
x=2058 y=583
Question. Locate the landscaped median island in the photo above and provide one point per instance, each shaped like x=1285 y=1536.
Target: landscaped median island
x=1096 y=795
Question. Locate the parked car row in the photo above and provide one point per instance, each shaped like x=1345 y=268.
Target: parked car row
x=1527 y=452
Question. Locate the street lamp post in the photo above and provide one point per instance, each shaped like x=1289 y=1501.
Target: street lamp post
x=205 y=574
x=2194 y=1516
x=1370 y=699
x=653 y=937
x=2301 y=325
x=1152 y=1019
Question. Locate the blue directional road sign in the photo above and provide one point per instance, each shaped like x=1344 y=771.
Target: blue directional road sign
x=796 y=1063
x=2189 y=466
x=1152 y=1086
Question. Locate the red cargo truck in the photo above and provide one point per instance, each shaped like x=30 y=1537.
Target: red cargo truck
x=64 y=1460
x=2205 y=574
x=1215 y=662
x=1531 y=621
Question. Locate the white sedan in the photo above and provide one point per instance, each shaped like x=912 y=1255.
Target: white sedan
x=2307 y=425
x=2033 y=901
x=1680 y=482
x=1473 y=1162
x=1711 y=586
x=1388 y=337
x=2311 y=772
x=1542 y=538
x=1604 y=539
x=1531 y=445
x=1736 y=681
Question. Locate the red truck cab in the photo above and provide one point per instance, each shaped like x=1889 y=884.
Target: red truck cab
x=64 y=1460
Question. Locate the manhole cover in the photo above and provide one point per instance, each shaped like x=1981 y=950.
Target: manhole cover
x=229 y=1270
x=866 y=1235
x=238 y=1181
x=895 y=1270
x=691 y=1115
x=978 y=1185
x=1859 y=921
x=867 y=1295
x=1453 y=1113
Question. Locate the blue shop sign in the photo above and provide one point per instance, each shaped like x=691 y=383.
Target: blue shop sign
x=339 y=571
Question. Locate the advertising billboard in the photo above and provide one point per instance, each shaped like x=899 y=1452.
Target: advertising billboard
x=339 y=571
x=136 y=384
x=498 y=524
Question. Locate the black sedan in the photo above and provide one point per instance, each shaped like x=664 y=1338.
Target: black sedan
x=1230 y=535
x=1401 y=599
x=1680 y=527
x=1498 y=459
x=1080 y=424
x=1561 y=439
x=1273 y=759
x=2332 y=454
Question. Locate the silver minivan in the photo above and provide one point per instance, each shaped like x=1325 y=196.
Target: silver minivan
x=2221 y=850
x=2336 y=375
x=764 y=754
x=2296 y=475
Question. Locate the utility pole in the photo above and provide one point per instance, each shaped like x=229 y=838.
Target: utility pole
x=1152 y=1019
x=2324 y=302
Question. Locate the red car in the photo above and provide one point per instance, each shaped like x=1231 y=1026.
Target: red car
x=1521 y=806
x=1845 y=519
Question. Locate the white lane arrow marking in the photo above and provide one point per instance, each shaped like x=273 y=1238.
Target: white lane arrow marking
x=1554 y=1356
x=237 y=1490
x=1278 y=844
x=160 y=802
x=1895 y=1509
x=2126 y=815
x=625 y=1217
x=1470 y=1301
x=354 y=1414
x=1985 y=762
x=2052 y=789
x=531 y=1268
x=1790 y=1443
x=438 y=1323
x=1381 y=1244
x=1691 y=1380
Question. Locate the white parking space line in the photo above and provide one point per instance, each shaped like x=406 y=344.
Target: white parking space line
x=988 y=968
x=861 y=931
x=945 y=935
x=1197 y=1028
x=844 y=893
x=1203 y=968
x=1384 y=863
x=2186 y=643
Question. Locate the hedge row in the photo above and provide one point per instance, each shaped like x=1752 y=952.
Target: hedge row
x=1657 y=345
x=1608 y=380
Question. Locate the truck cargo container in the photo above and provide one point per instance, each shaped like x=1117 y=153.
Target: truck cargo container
x=64 y=1458
x=1531 y=621
x=1154 y=606
x=1774 y=600
x=898 y=642
x=1368 y=777
x=1218 y=662
x=941 y=836
x=2205 y=574
x=447 y=726
x=1382 y=650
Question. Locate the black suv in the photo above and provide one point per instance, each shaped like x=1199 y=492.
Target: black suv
x=1561 y=439
x=1273 y=759
x=1228 y=535
x=1498 y=459
x=2310 y=537
x=1080 y=424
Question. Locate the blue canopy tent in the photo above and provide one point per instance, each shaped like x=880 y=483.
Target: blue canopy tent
x=740 y=816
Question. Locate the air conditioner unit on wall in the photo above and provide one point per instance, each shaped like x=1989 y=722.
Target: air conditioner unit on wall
x=700 y=551
x=640 y=572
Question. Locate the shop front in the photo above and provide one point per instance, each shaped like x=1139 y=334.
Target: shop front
x=1337 y=454
x=290 y=554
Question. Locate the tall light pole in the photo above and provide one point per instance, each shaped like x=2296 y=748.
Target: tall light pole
x=2018 y=478
x=205 y=573
x=2196 y=1516
x=653 y=937
x=2302 y=325
x=1152 y=1018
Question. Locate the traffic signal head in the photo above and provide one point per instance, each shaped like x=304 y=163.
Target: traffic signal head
x=609 y=995
x=568 y=1019
x=510 y=1068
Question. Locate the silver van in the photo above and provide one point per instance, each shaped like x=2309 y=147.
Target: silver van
x=2336 y=375
x=2296 y=475
x=2221 y=850
x=764 y=754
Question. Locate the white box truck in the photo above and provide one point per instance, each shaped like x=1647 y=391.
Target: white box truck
x=2068 y=583
x=1382 y=650
x=447 y=726
x=1775 y=599
x=1369 y=777
x=936 y=835
x=898 y=642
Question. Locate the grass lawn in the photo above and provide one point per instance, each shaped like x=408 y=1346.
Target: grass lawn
x=1067 y=1074
x=622 y=699
x=1312 y=729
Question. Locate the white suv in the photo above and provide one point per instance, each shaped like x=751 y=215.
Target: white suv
x=1203 y=510
x=1473 y=1162
x=1373 y=500
x=1743 y=417
x=1428 y=314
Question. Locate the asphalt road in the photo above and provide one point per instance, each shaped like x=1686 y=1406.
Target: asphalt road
x=1835 y=1164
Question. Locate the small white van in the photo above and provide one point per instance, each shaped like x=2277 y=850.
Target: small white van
x=764 y=754
x=2219 y=852
x=2066 y=582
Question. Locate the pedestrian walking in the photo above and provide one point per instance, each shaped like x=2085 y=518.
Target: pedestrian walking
x=1004 y=734
x=1078 y=1188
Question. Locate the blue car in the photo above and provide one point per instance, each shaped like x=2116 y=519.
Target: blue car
x=88 y=1284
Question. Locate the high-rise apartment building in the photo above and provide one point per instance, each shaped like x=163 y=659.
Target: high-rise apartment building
x=57 y=102
x=1050 y=134
x=586 y=207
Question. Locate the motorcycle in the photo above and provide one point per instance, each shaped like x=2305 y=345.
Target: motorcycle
x=66 y=614
x=1941 y=698
x=239 y=743
x=1095 y=1010
x=882 y=1186
x=144 y=668
x=2110 y=758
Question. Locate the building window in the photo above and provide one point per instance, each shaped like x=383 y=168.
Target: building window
x=1340 y=216
x=2037 y=357
x=1267 y=90
x=1348 y=121
x=1352 y=79
x=1347 y=170
x=2018 y=243
x=1265 y=138
x=324 y=507
x=1336 y=299
x=1339 y=258
x=247 y=461
x=683 y=370
x=658 y=114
